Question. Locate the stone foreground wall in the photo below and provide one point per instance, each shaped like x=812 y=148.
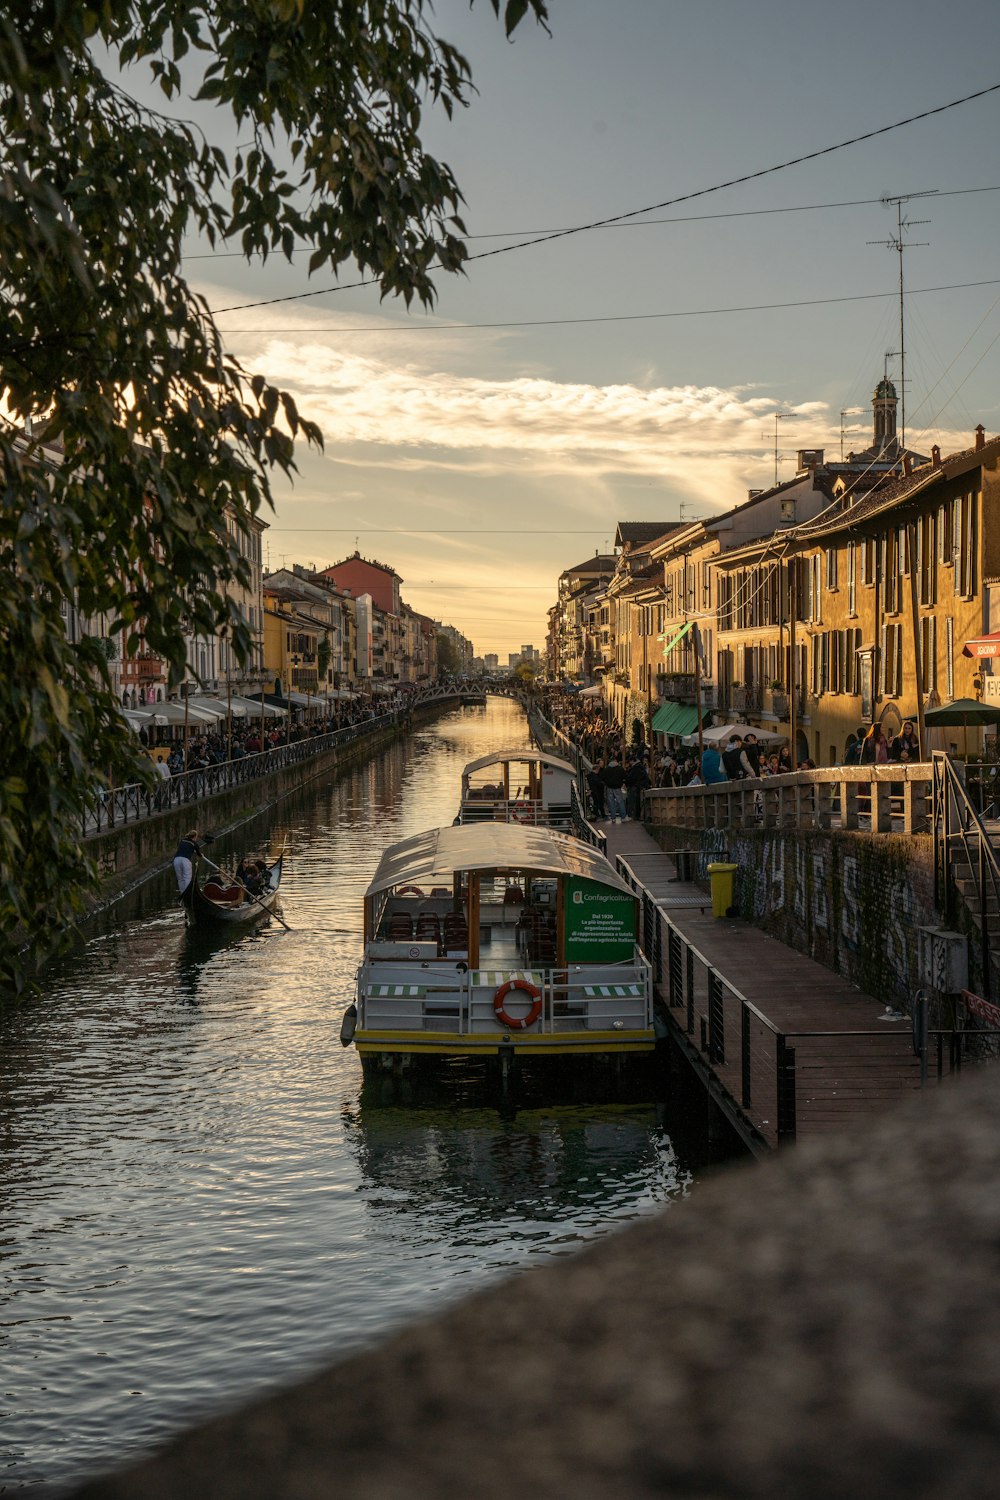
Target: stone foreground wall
x=852 y=901
x=824 y=1325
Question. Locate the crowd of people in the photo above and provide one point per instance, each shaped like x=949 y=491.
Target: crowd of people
x=252 y=736
x=620 y=772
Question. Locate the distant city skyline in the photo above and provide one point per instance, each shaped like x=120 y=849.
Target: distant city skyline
x=610 y=385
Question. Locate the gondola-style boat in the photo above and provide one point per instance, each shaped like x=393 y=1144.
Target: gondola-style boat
x=518 y=786
x=215 y=898
x=495 y=939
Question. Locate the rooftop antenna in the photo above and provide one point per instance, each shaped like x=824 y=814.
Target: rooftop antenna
x=779 y=416
x=898 y=243
x=849 y=411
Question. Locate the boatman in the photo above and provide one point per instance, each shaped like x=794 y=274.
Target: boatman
x=187 y=850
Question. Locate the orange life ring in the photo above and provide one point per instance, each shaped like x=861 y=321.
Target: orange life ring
x=513 y=1022
x=409 y=890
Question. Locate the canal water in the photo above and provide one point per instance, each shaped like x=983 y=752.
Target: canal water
x=198 y=1198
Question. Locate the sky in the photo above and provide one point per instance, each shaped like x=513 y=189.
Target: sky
x=480 y=461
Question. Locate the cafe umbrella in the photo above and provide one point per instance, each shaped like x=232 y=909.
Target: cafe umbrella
x=963 y=713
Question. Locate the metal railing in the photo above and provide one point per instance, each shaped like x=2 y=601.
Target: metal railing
x=773 y=1078
x=130 y=804
x=464 y=1002
x=961 y=840
x=582 y=827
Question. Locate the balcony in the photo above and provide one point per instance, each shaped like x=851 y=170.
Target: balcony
x=746 y=698
x=142 y=669
x=680 y=687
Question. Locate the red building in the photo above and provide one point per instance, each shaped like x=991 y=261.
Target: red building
x=360 y=576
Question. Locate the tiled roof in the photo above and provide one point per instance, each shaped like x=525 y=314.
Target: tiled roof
x=603 y=562
x=642 y=531
x=894 y=491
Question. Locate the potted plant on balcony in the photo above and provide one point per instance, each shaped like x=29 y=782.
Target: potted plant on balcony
x=779 y=699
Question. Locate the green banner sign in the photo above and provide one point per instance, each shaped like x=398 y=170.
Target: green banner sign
x=600 y=923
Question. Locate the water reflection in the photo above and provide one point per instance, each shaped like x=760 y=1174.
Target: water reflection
x=194 y=1178
x=540 y=1183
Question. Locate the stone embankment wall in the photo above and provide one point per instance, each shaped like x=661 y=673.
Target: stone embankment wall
x=852 y=901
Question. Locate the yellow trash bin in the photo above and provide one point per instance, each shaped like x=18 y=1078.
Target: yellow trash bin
x=722 y=876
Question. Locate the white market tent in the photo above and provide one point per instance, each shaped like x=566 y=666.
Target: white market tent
x=218 y=706
x=253 y=708
x=176 y=712
x=720 y=735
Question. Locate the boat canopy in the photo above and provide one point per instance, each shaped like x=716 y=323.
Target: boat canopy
x=528 y=755
x=440 y=853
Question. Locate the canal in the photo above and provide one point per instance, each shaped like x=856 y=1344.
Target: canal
x=198 y=1198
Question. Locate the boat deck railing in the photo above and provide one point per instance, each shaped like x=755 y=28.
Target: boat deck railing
x=527 y=810
x=401 y=996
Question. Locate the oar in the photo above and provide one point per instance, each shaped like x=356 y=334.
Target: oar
x=250 y=894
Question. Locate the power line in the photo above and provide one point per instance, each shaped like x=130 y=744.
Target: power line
x=693 y=312
x=635 y=213
x=736 y=213
x=447 y=531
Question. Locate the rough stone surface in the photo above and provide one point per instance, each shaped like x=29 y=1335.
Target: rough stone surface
x=823 y=1325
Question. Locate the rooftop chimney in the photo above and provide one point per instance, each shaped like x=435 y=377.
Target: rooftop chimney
x=935 y=457
x=980 y=437
x=752 y=494
x=907 y=464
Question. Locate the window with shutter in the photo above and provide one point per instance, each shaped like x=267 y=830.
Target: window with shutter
x=852 y=585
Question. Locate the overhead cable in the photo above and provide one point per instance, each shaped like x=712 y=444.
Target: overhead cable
x=635 y=213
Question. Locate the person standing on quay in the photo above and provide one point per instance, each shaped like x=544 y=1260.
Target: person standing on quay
x=732 y=762
x=712 y=769
x=614 y=779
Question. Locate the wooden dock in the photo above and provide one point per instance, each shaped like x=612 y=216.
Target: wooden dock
x=787 y=1048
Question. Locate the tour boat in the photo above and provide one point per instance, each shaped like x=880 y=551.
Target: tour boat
x=518 y=786
x=495 y=940
x=216 y=898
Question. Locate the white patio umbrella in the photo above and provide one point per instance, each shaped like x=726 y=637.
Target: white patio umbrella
x=720 y=735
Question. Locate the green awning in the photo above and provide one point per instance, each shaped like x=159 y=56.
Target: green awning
x=675 y=718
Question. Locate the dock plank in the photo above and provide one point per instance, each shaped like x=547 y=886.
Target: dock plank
x=840 y=1078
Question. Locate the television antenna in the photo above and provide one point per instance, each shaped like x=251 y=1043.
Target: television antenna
x=779 y=416
x=849 y=411
x=899 y=243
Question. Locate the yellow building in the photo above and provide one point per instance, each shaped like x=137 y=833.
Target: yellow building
x=291 y=643
x=863 y=614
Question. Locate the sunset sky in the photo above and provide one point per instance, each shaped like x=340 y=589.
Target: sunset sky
x=481 y=461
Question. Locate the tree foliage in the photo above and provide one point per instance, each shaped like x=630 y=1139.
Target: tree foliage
x=448 y=659
x=145 y=433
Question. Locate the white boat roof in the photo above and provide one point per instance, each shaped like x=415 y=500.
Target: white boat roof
x=435 y=856
x=528 y=754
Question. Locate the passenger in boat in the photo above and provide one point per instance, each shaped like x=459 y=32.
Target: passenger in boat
x=188 y=849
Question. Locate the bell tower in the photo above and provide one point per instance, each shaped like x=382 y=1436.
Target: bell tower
x=884 y=406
